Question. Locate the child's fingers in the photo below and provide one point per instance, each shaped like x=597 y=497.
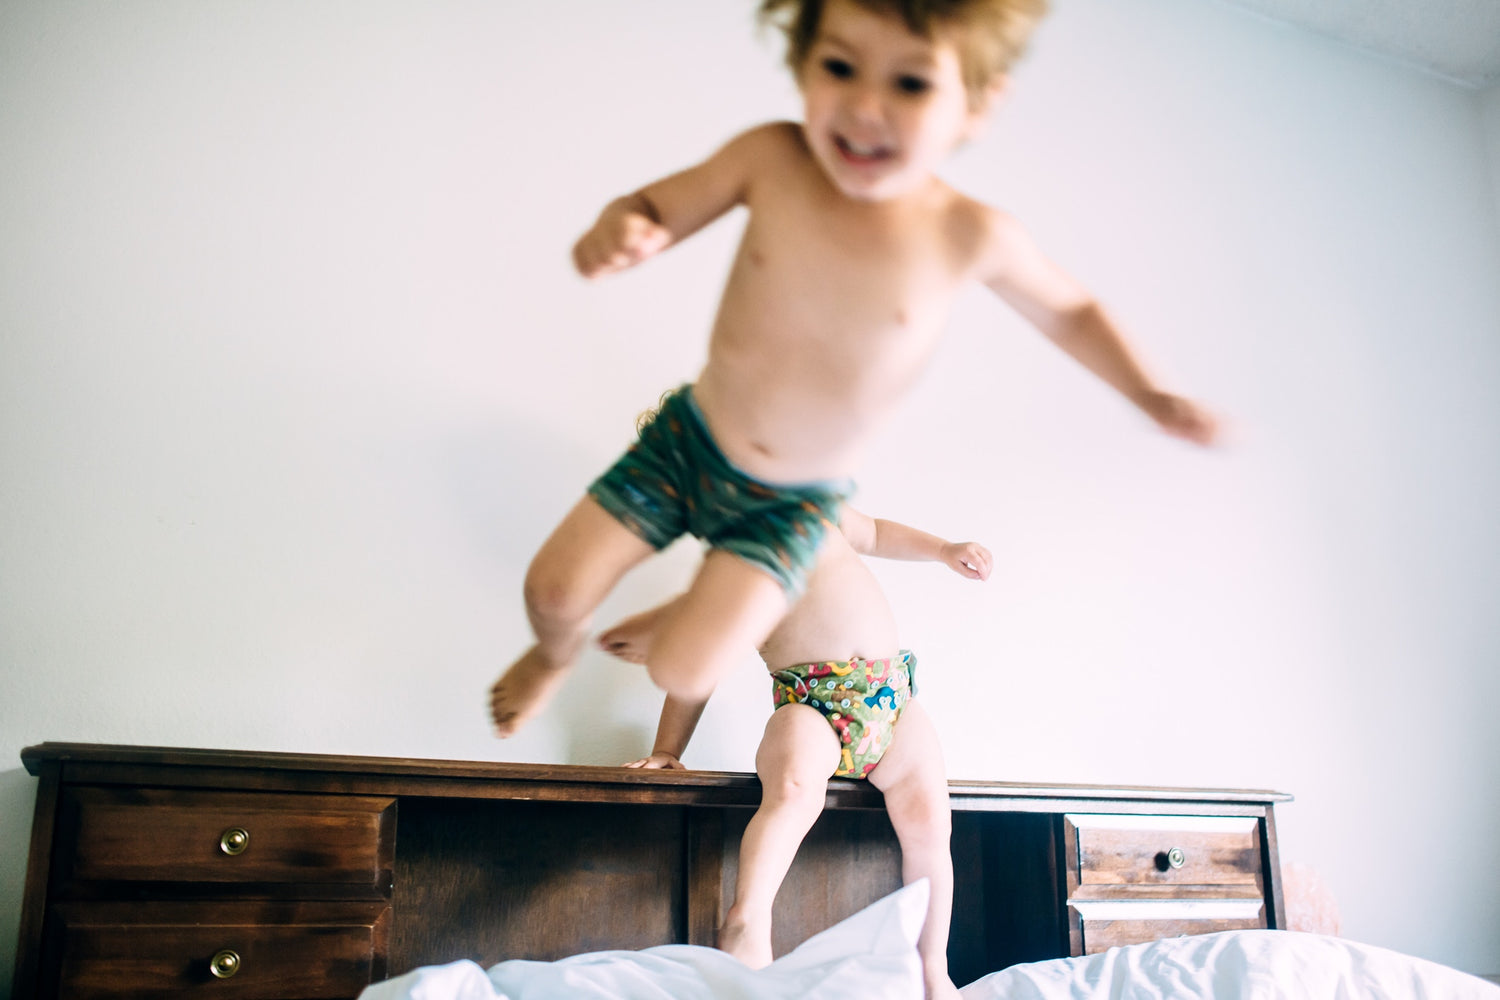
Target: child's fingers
x=977 y=557
x=650 y=240
x=600 y=253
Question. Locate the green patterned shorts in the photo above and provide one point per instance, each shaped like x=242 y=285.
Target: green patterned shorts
x=674 y=480
x=861 y=699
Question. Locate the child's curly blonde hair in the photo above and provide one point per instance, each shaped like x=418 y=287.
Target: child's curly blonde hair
x=990 y=34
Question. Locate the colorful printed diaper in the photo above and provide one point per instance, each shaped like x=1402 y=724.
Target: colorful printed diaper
x=861 y=699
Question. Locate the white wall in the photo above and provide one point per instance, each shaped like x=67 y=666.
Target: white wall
x=1489 y=110
x=294 y=379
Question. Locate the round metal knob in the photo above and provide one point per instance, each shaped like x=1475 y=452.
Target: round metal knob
x=234 y=840
x=225 y=964
x=1176 y=858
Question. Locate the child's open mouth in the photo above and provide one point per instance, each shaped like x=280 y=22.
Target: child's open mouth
x=859 y=154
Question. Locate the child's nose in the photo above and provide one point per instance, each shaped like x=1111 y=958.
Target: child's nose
x=866 y=104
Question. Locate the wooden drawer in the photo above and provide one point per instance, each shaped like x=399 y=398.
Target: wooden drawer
x=288 y=951
x=1108 y=926
x=1138 y=878
x=1166 y=850
x=160 y=835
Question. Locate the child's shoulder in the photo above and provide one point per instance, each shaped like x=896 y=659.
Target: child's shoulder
x=981 y=229
x=770 y=139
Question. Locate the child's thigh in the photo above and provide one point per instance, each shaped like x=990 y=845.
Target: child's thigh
x=912 y=767
x=585 y=556
x=730 y=608
x=799 y=747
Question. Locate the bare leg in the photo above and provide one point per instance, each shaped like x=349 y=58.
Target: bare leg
x=729 y=610
x=915 y=784
x=630 y=639
x=797 y=755
x=575 y=570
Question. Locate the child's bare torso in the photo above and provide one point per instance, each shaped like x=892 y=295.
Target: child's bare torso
x=831 y=311
x=842 y=614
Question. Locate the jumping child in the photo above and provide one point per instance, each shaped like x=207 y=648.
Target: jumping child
x=851 y=257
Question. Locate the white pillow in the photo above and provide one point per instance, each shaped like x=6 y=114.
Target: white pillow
x=871 y=955
x=1236 y=965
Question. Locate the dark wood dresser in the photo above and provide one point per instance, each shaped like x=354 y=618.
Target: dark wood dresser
x=176 y=872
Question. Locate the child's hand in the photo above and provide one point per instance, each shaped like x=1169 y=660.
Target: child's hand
x=659 y=761
x=968 y=559
x=1182 y=418
x=623 y=237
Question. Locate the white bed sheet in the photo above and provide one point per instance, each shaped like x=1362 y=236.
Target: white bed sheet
x=871 y=956
x=1236 y=965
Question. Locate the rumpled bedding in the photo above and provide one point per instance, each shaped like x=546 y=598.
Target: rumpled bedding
x=871 y=956
x=1236 y=965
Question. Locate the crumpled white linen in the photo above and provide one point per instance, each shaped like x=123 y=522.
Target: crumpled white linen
x=872 y=955
x=1236 y=965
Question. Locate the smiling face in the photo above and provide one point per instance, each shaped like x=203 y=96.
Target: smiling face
x=883 y=105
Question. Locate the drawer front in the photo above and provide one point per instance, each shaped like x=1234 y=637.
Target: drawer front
x=1102 y=935
x=1114 y=923
x=233 y=951
x=1165 y=850
x=161 y=835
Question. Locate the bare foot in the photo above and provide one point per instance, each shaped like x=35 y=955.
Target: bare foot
x=630 y=639
x=750 y=945
x=523 y=691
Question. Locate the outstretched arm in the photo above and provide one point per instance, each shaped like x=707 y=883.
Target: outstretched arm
x=1016 y=269
x=644 y=223
x=673 y=732
x=893 y=540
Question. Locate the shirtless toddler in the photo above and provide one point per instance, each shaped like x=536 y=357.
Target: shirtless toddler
x=851 y=258
x=845 y=701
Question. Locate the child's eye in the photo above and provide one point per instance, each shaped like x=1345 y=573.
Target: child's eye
x=912 y=85
x=839 y=68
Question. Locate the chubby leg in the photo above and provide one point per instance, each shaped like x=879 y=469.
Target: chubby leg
x=915 y=784
x=728 y=611
x=797 y=755
x=575 y=570
x=630 y=639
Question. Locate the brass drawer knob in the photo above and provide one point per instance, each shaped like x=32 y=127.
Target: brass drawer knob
x=225 y=964
x=234 y=841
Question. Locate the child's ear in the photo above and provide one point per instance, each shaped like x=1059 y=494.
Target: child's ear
x=996 y=90
x=982 y=108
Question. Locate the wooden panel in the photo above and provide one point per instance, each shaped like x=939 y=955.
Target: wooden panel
x=309 y=951
x=847 y=861
x=162 y=835
x=1008 y=901
x=490 y=881
x=29 y=938
x=1135 y=850
x=705 y=876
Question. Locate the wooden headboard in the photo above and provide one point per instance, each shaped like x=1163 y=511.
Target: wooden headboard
x=160 y=870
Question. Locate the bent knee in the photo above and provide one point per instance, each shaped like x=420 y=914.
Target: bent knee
x=794 y=789
x=926 y=819
x=679 y=679
x=554 y=597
